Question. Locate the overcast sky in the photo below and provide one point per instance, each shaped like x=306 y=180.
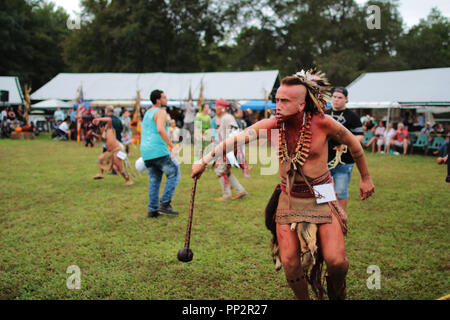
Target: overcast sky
x=411 y=10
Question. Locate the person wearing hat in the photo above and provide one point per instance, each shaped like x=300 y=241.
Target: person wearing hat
x=427 y=129
x=226 y=123
x=340 y=161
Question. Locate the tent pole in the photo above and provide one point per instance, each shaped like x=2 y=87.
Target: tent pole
x=387 y=122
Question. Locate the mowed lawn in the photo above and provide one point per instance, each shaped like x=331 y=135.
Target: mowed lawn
x=54 y=215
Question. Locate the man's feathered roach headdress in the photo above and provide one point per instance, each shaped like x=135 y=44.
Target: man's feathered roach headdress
x=318 y=87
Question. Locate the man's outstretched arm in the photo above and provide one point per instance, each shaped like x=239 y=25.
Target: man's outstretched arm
x=261 y=129
x=105 y=119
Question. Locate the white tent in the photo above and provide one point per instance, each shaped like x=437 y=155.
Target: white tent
x=412 y=89
x=52 y=104
x=12 y=85
x=426 y=90
x=123 y=86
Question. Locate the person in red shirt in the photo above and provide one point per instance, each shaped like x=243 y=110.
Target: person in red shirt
x=400 y=138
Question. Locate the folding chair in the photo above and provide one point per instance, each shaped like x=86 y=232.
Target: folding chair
x=436 y=144
x=422 y=142
x=369 y=135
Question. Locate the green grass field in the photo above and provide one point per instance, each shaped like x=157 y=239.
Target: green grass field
x=54 y=215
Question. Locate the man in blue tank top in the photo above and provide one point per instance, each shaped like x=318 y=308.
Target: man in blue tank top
x=156 y=152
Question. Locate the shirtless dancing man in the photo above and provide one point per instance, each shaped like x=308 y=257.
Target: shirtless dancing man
x=303 y=152
x=109 y=160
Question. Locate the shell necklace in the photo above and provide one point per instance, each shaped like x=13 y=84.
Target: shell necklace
x=303 y=144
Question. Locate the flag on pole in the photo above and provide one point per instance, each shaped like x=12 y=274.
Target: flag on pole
x=138 y=117
x=137 y=110
x=201 y=99
x=266 y=100
x=80 y=109
x=190 y=93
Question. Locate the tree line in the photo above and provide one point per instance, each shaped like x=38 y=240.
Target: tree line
x=216 y=35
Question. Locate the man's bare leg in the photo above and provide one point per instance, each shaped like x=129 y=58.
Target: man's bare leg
x=100 y=170
x=343 y=203
x=119 y=168
x=332 y=245
x=290 y=256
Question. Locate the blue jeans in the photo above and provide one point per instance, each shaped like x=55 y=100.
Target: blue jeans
x=341 y=176
x=155 y=169
x=443 y=149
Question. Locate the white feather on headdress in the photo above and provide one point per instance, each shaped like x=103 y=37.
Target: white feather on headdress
x=318 y=87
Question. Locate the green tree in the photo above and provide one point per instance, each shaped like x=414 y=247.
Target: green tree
x=426 y=45
x=48 y=31
x=330 y=34
x=144 y=36
x=350 y=48
x=31 y=34
x=16 y=47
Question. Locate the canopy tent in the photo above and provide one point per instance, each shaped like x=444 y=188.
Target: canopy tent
x=130 y=103
x=425 y=90
x=257 y=105
x=401 y=89
x=12 y=85
x=52 y=104
x=178 y=86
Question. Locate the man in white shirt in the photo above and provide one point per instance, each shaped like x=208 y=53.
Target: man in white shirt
x=387 y=136
x=189 y=117
x=3 y=115
x=226 y=124
x=62 y=132
x=174 y=132
x=427 y=129
x=3 y=123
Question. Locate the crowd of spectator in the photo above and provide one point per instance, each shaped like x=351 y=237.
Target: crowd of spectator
x=384 y=138
x=203 y=117
x=398 y=138
x=73 y=125
x=12 y=118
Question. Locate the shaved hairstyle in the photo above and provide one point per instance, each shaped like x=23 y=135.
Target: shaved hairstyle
x=294 y=81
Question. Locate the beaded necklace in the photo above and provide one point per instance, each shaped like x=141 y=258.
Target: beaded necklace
x=303 y=144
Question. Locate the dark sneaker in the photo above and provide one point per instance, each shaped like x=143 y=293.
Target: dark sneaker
x=153 y=214
x=166 y=208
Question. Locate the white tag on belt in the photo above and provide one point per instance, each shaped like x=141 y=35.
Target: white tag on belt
x=324 y=193
x=121 y=155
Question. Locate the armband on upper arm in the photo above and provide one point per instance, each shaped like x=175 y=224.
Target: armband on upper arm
x=358 y=154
